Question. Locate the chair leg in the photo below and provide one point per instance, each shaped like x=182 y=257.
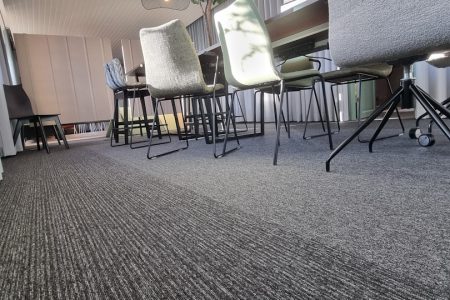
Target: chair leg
x=327 y=117
x=307 y=115
x=17 y=130
x=149 y=155
x=203 y=101
x=22 y=136
x=305 y=137
x=61 y=132
x=336 y=110
x=115 y=127
x=277 y=141
x=229 y=119
x=144 y=112
x=388 y=136
x=158 y=121
x=382 y=124
x=55 y=133
x=394 y=99
x=254 y=110
x=44 y=138
x=36 y=132
x=286 y=126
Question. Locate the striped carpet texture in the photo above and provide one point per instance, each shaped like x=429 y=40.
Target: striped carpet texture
x=77 y=225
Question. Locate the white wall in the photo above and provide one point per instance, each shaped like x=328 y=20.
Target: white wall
x=65 y=75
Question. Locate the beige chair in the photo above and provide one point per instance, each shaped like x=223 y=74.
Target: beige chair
x=172 y=71
x=248 y=57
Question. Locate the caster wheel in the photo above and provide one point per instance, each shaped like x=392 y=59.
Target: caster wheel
x=426 y=140
x=414 y=133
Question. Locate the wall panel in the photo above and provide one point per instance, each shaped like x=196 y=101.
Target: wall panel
x=63 y=80
x=65 y=75
x=81 y=78
x=39 y=64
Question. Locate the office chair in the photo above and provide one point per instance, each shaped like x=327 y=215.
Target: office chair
x=248 y=57
x=173 y=71
x=401 y=32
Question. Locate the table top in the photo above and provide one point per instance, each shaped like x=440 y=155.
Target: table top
x=300 y=30
x=138 y=71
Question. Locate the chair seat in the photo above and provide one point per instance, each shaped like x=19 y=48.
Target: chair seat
x=348 y=74
x=300 y=83
x=135 y=85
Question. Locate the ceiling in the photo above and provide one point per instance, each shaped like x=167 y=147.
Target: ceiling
x=114 y=19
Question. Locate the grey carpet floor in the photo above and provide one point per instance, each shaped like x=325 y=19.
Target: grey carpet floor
x=95 y=222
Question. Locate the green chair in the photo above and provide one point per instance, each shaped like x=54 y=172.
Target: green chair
x=248 y=57
x=358 y=75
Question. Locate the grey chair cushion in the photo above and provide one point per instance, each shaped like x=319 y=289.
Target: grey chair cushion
x=375 y=31
x=109 y=79
x=379 y=70
x=117 y=72
x=297 y=64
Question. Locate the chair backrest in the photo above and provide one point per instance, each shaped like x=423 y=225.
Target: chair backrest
x=246 y=46
x=375 y=31
x=117 y=72
x=17 y=101
x=109 y=78
x=172 y=67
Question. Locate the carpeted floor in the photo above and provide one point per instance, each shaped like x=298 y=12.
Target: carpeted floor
x=95 y=222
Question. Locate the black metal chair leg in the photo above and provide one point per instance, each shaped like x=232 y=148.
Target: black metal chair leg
x=149 y=156
x=327 y=116
x=399 y=119
x=36 y=130
x=254 y=111
x=44 y=138
x=336 y=111
x=383 y=123
x=230 y=119
x=55 y=133
x=17 y=130
x=372 y=117
x=307 y=115
x=277 y=142
x=61 y=132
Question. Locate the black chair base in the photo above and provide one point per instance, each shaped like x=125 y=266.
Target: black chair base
x=426 y=139
x=433 y=108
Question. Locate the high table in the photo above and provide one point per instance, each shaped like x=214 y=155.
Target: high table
x=301 y=30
